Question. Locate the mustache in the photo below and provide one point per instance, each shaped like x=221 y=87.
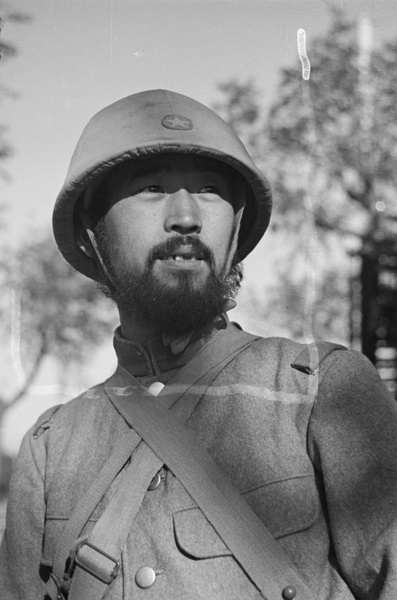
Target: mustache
x=172 y=245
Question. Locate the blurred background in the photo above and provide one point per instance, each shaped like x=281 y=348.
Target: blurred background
x=327 y=268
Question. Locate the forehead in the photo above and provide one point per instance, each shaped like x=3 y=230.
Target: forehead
x=173 y=163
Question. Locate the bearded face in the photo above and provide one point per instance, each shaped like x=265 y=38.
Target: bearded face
x=176 y=305
x=167 y=236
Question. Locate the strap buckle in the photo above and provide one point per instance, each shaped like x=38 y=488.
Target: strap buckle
x=94 y=569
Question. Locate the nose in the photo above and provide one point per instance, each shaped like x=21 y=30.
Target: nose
x=183 y=215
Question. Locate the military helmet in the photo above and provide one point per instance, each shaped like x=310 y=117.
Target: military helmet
x=143 y=125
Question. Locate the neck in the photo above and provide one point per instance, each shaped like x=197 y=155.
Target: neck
x=139 y=332
x=136 y=330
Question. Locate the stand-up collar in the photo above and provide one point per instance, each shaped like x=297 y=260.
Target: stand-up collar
x=155 y=358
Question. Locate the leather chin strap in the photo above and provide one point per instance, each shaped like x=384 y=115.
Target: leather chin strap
x=95 y=249
x=234 y=241
x=104 y=270
x=179 y=344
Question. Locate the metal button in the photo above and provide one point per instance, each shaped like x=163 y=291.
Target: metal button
x=156 y=388
x=154 y=484
x=289 y=592
x=145 y=577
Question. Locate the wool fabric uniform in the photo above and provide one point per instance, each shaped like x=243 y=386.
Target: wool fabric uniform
x=315 y=456
x=313 y=453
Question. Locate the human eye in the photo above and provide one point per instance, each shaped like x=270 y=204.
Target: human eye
x=210 y=189
x=151 y=189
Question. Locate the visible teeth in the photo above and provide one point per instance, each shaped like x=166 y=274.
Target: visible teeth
x=177 y=257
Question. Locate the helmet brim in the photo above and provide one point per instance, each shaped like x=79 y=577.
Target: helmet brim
x=108 y=141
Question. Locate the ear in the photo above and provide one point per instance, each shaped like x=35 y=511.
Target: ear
x=84 y=243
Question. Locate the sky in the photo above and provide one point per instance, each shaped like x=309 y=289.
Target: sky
x=77 y=56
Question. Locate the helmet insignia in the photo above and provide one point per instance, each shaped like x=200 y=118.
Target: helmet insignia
x=176 y=122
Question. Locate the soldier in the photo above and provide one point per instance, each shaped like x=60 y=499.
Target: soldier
x=213 y=464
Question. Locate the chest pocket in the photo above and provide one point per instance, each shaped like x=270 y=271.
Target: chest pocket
x=285 y=507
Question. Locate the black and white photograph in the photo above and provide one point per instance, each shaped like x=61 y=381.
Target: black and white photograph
x=198 y=300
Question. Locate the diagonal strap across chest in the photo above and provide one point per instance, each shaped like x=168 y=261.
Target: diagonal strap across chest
x=189 y=384
x=160 y=423
x=180 y=397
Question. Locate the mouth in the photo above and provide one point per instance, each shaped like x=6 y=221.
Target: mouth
x=184 y=254
x=184 y=257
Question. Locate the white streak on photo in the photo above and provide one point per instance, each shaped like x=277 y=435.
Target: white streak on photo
x=303 y=54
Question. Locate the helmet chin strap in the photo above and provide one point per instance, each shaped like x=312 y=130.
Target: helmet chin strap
x=234 y=240
x=95 y=250
x=179 y=343
x=104 y=270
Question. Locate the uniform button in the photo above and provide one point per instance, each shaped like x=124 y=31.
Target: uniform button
x=289 y=592
x=156 y=388
x=154 y=484
x=145 y=577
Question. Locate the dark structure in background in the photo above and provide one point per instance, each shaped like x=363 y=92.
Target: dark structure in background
x=373 y=316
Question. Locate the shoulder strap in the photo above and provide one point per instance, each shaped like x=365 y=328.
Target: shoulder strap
x=254 y=548
x=190 y=383
x=310 y=358
x=258 y=553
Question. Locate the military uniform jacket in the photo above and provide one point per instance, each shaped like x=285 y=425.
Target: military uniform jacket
x=315 y=456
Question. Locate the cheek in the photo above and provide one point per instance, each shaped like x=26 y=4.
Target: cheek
x=220 y=229
x=130 y=232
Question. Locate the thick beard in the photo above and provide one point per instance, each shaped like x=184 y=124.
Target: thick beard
x=178 y=309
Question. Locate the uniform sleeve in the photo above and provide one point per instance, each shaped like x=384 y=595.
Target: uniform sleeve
x=353 y=442
x=21 y=546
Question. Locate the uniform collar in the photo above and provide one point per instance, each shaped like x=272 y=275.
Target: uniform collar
x=156 y=357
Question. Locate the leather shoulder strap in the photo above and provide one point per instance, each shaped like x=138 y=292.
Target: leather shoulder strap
x=258 y=553
x=190 y=383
